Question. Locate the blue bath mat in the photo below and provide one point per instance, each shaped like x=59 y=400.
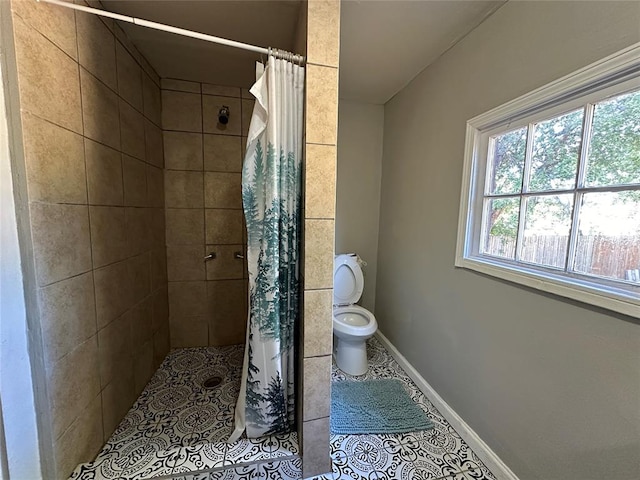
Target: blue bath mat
x=375 y=406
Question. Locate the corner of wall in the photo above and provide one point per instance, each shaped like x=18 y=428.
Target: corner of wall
x=71 y=217
x=26 y=419
x=300 y=37
x=321 y=122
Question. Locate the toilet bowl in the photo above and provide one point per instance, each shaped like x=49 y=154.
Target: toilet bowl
x=352 y=324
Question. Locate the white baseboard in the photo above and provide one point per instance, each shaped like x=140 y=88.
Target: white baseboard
x=488 y=456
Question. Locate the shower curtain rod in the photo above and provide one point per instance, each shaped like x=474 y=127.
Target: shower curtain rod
x=180 y=31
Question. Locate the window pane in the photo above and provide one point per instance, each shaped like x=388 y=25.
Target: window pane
x=609 y=235
x=556 y=150
x=500 y=225
x=546 y=230
x=507 y=162
x=614 y=152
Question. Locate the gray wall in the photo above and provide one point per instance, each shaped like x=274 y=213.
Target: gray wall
x=360 y=128
x=551 y=385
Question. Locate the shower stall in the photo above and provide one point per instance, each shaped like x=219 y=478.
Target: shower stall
x=128 y=145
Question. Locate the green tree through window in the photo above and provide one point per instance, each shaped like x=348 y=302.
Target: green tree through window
x=543 y=175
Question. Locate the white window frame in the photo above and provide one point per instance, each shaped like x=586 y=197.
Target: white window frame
x=615 y=74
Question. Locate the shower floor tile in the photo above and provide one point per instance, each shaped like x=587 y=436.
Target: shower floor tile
x=177 y=426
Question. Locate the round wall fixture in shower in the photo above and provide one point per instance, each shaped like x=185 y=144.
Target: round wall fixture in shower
x=212 y=382
x=223 y=115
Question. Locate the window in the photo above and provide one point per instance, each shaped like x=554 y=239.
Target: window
x=551 y=192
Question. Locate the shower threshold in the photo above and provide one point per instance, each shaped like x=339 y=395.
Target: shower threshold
x=179 y=425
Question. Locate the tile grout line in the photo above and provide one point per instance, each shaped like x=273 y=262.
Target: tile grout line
x=204 y=221
x=82 y=134
x=86 y=178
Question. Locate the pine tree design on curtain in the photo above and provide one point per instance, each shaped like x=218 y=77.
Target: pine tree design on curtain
x=274 y=298
x=272 y=201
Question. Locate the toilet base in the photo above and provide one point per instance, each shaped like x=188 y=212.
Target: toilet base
x=351 y=357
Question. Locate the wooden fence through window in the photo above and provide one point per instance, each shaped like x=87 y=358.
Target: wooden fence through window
x=606 y=256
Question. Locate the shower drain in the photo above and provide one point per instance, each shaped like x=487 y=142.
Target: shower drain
x=212 y=382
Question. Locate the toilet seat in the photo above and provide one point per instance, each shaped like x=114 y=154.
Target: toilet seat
x=354 y=320
x=348 y=281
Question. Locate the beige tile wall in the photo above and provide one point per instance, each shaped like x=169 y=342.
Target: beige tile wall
x=321 y=121
x=90 y=114
x=203 y=164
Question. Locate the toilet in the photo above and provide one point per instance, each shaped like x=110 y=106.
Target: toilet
x=352 y=324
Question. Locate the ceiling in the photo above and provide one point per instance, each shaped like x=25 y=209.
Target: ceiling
x=384 y=44
x=262 y=23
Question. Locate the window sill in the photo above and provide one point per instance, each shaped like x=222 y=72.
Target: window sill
x=615 y=299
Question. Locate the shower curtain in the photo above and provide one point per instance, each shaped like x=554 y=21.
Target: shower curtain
x=271 y=197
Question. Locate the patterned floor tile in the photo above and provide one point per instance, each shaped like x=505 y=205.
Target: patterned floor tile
x=170 y=398
x=464 y=452
x=353 y=469
x=475 y=474
x=421 y=469
x=178 y=427
x=135 y=460
x=366 y=459
x=483 y=467
x=133 y=428
x=407 y=447
x=436 y=453
x=282 y=470
x=251 y=449
x=199 y=457
x=193 y=476
x=242 y=472
x=441 y=439
x=346 y=446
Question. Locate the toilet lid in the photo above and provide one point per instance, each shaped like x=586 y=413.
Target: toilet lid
x=347 y=280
